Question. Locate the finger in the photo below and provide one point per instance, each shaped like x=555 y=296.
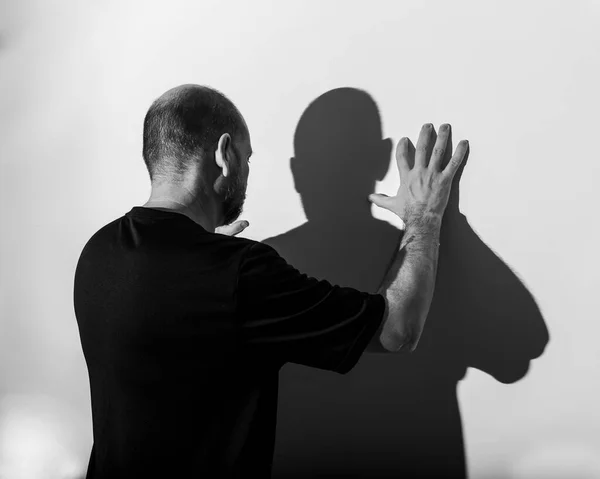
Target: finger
x=458 y=157
x=223 y=230
x=233 y=229
x=238 y=227
x=462 y=165
x=411 y=154
x=424 y=145
x=402 y=156
x=439 y=150
x=448 y=152
x=453 y=198
x=381 y=200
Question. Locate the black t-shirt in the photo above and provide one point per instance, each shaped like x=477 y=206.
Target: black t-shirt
x=184 y=332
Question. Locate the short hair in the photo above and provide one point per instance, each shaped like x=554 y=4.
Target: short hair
x=183 y=123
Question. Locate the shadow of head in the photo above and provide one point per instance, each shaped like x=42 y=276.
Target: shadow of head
x=481 y=315
x=339 y=153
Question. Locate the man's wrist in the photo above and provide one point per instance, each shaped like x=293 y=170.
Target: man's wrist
x=428 y=225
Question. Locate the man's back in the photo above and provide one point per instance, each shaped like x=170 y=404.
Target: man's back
x=184 y=332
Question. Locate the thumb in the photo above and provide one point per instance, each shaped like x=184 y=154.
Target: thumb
x=382 y=200
x=232 y=229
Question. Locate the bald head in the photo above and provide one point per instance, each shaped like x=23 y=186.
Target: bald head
x=184 y=123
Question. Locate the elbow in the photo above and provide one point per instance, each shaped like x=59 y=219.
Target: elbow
x=402 y=328
x=399 y=342
x=403 y=346
x=401 y=337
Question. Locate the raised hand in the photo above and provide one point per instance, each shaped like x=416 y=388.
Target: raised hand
x=426 y=174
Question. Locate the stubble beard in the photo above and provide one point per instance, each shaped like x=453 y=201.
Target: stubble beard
x=233 y=204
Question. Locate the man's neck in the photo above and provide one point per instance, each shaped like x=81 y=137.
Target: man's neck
x=197 y=213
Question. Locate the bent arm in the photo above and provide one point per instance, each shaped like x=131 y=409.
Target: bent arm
x=408 y=287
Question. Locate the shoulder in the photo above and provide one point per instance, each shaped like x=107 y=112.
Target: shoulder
x=257 y=252
x=248 y=253
x=99 y=238
x=246 y=245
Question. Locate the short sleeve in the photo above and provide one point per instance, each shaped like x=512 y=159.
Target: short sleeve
x=288 y=316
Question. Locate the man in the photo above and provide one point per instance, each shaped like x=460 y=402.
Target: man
x=184 y=326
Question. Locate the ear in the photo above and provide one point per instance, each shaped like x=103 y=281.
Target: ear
x=295 y=169
x=387 y=146
x=221 y=153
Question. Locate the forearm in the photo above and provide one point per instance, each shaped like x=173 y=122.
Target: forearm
x=409 y=284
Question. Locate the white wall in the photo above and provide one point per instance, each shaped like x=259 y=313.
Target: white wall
x=518 y=79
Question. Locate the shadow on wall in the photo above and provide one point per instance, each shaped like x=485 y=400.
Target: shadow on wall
x=393 y=414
